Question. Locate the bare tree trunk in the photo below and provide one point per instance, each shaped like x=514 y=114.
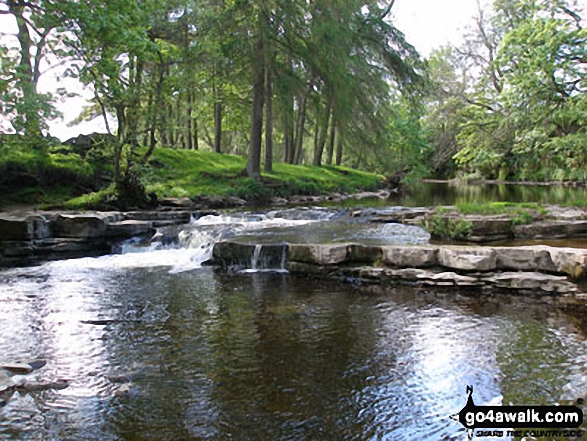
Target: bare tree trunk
x=218 y=127
x=154 y=116
x=188 y=122
x=299 y=139
x=254 y=155
x=339 y=148
x=268 y=166
x=322 y=132
x=26 y=76
x=180 y=137
x=330 y=154
x=288 y=131
x=196 y=144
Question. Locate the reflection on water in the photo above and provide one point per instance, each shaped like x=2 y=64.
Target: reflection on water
x=203 y=355
x=432 y=194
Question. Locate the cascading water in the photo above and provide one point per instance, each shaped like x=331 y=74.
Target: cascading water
x=187 y=247
x=255 y=259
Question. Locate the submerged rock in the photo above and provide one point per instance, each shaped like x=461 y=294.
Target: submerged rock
x=9 y=385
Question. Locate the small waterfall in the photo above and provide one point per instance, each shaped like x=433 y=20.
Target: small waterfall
x=255 y=258
x=283 y=256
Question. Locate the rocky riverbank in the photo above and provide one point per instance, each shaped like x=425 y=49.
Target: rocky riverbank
x=42 y=236
x=551 y=222
x=529 y=269
x=33 y=237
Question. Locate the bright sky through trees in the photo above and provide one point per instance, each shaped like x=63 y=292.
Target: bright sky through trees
x=427 y=24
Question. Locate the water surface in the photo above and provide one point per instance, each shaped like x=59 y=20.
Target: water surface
x=154 y=355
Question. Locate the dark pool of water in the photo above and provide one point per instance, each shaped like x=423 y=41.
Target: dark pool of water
x=203 y=355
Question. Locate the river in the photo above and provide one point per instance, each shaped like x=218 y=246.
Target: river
x=158 y=346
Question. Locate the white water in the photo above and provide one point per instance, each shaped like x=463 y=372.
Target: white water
x=193 y=242
x=187 y=247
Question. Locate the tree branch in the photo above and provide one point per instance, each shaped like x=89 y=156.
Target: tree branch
x=387 y=10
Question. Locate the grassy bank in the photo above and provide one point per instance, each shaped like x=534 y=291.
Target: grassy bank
x=58 y=178
x=183 y=173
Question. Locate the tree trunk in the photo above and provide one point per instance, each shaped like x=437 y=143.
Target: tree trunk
x=218 y=126
x=339 y=148
x=268 y=166
x=196 y=135
x=133 y=110
x=288 y=130
x=170 y=126
x=288 y=118
x=180 y=137
x=254 y=155
x=330 y=154
x=24 y=70
x=188 y=122
x=323 y=131
x=299 y=139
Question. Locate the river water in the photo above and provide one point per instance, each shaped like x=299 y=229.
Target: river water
x=157 y=346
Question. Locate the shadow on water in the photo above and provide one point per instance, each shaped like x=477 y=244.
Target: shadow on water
x=206 y=355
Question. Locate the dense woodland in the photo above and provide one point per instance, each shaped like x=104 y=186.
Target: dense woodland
x=321 y=82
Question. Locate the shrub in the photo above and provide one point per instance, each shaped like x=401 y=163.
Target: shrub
x=448 y=227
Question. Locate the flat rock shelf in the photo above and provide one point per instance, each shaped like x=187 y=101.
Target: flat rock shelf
x=535 y=269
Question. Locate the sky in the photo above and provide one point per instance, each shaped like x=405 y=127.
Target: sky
x=427 y=24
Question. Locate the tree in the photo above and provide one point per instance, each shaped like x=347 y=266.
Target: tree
x=527 y=120
x=37 y=35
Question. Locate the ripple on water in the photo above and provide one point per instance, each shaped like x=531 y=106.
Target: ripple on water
x=202 y=355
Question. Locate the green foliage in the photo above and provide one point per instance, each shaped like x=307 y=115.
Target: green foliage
x=448 y=227
x=518 y=108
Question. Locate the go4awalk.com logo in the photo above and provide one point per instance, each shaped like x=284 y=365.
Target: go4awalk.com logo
x=554 y=421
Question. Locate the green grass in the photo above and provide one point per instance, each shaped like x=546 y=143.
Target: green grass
x=54 y=177
x=41 y=175
x=520 y=213
x=184 y=173
x=496 y=208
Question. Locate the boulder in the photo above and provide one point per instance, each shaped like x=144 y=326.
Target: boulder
x=233 y=201
x=393 y=214
x=319 y=254
x=79 y=226
x=276 y=201
x=567 y=213
x=364 y=253
x=544 y=229
x=528 y=258
x=577 y=228
x=250 y=255
x=334 y=254
x=489 y=228
x=409 y=256
x=571 y=261
x=467 y=258
x=452 y=278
